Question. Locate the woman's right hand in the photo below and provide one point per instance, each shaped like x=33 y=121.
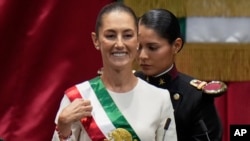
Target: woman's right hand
x=75 y=111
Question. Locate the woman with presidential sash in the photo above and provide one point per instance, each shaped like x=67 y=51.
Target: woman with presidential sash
x=115 y=106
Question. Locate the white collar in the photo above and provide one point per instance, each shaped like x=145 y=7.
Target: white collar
x=165 y=71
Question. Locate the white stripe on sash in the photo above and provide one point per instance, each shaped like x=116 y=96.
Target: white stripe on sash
x=98 y=113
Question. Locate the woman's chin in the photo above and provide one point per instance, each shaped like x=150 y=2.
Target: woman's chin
x=148 y=72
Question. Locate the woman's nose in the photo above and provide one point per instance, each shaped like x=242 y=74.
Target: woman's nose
x=119 y=42
x=142 y=54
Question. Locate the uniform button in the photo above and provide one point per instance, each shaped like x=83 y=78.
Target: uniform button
x=176 y=96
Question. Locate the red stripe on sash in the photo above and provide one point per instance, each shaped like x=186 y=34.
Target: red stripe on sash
x=88 y=123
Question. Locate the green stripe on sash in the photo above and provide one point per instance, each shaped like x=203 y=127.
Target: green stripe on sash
x=109 y=106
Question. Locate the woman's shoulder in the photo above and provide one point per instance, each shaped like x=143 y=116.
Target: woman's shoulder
x=185 y=80
x=152 y=92
x=149 y=87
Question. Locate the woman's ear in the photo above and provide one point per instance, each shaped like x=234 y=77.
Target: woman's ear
x=178 y=45
x=95 y=40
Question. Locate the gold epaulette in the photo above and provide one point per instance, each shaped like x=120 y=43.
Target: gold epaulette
x=213 y=88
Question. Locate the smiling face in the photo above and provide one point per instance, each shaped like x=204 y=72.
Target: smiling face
x=117 y=39
x=155 y=54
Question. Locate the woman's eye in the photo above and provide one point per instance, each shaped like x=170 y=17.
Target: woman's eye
x=128 y=36
x=110 y=36
x=153 y=48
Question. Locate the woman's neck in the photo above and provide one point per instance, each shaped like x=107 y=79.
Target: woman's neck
x=119 y=81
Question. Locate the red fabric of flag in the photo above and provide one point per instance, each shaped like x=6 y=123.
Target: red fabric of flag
x=45 y=47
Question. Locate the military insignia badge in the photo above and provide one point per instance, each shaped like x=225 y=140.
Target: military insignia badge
x=213 y=88
x=119 y=134
x=161 y=81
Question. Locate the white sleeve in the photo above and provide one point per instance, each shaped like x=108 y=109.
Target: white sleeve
x=168 y=113
x=64 y=102
x=170 y=133
x=75 y=127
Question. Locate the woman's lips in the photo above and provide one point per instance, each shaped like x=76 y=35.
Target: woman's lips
x=145 y=66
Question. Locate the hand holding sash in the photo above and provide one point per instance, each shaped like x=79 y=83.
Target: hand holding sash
x=76 y=110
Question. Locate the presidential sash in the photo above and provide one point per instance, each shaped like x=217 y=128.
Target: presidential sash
x=88 y=123
x=106 y=116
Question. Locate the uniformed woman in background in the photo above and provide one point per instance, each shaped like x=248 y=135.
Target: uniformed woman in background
x=160 y=41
